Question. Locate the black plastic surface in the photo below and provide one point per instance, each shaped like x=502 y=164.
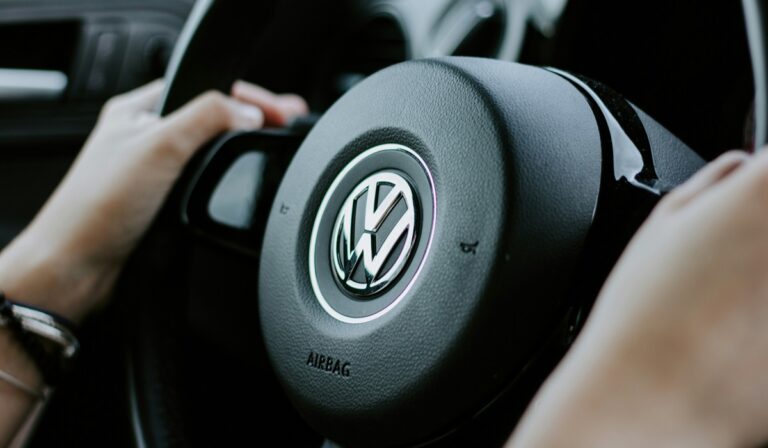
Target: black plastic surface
x=675 y=162
x=211 y=165
x=516 y=157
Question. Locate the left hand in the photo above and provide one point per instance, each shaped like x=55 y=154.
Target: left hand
x=67 y=260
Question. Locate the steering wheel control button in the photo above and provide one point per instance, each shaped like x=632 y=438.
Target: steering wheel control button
x=371 y=233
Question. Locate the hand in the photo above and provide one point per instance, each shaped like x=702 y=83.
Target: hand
x=67 y=260
x=675 y=352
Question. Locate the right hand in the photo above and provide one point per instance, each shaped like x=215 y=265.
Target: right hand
x=675 y=352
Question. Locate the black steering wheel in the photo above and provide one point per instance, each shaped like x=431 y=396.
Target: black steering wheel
x=406 y=273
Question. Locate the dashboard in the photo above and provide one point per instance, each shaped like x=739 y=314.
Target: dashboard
x=685 y=63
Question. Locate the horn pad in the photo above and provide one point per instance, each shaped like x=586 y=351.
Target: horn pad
x=422 y=243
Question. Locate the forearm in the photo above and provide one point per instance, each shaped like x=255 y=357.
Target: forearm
x=44 y=274
x=16 y=405
x=35 y=272
x=26 y=271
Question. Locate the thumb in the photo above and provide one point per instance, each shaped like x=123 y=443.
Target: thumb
x=706 y=178
x=205 y=117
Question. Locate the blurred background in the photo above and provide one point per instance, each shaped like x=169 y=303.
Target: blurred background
x=684 y=62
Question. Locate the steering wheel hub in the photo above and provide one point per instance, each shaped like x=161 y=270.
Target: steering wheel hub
x=420 y=243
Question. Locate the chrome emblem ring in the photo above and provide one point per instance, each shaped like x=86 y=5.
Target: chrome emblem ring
x=372 y=233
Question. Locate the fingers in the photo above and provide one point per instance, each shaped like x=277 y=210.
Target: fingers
x=756 y=177
x=707 y=177
x=142 y=99
x=208 y=115
x=278 y=109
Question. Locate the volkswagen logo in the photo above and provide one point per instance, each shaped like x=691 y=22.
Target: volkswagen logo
x=374 y=233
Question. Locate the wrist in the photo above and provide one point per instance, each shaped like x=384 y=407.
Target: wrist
x=42 y=273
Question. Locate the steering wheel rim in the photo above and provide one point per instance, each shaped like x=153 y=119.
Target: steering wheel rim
x=165 y=420
x=155 y=352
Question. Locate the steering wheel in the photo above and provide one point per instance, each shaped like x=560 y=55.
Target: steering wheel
x=406 y=273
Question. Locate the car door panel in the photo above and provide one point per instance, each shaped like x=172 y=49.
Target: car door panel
x=59 y=62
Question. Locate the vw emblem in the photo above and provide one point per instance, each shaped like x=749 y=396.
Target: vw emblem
x=374 y=233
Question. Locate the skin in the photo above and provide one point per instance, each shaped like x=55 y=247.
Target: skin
x=68 y=259
x=675 y=352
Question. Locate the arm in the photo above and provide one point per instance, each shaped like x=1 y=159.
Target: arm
x=69 y=257
x=675 y=352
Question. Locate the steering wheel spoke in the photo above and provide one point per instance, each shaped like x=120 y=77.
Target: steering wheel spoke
x=233 y=182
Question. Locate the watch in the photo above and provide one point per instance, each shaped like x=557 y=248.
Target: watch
x=47 y=338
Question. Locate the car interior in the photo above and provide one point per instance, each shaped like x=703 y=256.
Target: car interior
x=522 y=141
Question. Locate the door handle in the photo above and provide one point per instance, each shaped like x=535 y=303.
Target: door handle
x=25 y=85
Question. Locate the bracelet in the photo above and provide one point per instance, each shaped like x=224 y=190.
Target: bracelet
x=47 y=338
x=13 y=381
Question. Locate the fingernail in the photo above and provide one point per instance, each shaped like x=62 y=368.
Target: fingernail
x=236 y=86
x=294 y=104
x=252 y=113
